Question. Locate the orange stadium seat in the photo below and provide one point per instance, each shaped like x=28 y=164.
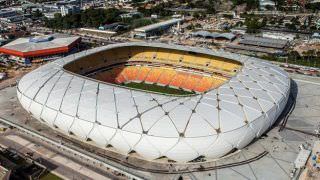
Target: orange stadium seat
x=167 y=76
x=120 y=79
x=143 y=73
x=154 y=75
x=191 y=82
x=131 y=72
x=162 y=75
x=204 y=84
x=179 y=79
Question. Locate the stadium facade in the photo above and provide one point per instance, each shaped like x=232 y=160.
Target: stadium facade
x=235 y=99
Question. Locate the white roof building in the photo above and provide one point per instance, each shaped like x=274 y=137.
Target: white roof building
x=159 y=25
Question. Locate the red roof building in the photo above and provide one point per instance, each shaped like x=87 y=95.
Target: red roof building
x=40 y=46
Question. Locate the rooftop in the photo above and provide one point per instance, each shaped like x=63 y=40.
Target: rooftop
x=31 y=46
x=158 y=25
x=264 y=42
x=214 y=35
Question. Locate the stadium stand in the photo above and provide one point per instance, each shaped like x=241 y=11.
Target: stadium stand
x=131 y=72
x=178 y=79
x=166 y=76
x=143 y=73
x=174 y=68
x=204 y=84
x=191 y=82
x=163 y=76
x=154 y=75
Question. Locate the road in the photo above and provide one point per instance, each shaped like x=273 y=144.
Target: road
x=56 y=163
x=72 y=152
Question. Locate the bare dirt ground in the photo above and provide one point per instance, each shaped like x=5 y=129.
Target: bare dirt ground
x=14 y=74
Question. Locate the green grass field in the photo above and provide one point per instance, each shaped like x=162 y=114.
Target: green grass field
x=157 y=88
x=50 y=176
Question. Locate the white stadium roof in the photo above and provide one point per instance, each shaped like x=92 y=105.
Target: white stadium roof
x=155 y=125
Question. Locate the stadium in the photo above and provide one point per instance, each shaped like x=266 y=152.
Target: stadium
x=158 y=100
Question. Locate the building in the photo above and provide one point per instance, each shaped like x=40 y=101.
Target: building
x=114 y=27
x=318 y=24
x=156 y=29
x=214 y=35
x=16 y=19
x=234 y=99
x=266 y=5
x=263 y=42
x=185 y=10
x=4 y=173
x=131 y=15
x=69 y=9
x=282 y=36
x=315 y=35
x=39 y=48
x=238 y=31
x=252 y=50
x=7 y=13
x=49 y=15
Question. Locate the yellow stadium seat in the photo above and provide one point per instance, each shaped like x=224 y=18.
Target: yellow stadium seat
x=162 y=55
x=148 y=56
x=175 y=56
x=217 y=81
x=189 y=59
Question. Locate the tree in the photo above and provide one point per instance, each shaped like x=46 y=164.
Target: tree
x=141 y=22
x=88 y=18
x=308 y=54
x=269 y=7
x=37 y=14
x=23 y=28
x=290 y=26
x=253 y=24
x=251 y=4
x=293 y=55
x=279 y=4
x=196 y=15
x=211 y=8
